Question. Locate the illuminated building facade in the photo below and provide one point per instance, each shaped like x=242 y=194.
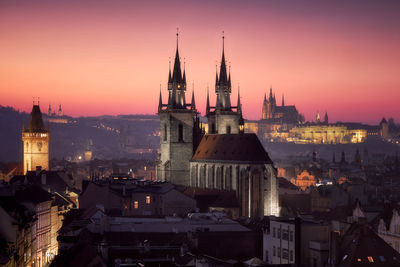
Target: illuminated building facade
x=35 y=140
x=239 y=163
x=326 y=134
x=179 y=129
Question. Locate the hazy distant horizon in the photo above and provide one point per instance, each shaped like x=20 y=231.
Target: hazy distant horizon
x=202 y=115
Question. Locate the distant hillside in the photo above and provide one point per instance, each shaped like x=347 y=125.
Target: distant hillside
x=99 y=134
x=10 y=134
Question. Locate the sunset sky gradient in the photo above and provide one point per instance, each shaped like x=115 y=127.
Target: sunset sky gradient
x=109 y=57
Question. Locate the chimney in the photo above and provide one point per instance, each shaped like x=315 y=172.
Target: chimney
x=43 y=178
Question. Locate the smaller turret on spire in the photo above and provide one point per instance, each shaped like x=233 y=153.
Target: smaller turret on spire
x=239 y=105
x=160 y=101
x=193 y=104
x=208 y=100
x=184 y=71
x=169 y=74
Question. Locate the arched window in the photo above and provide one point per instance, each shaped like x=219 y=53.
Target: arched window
x=165 y=132
x=228 y=129
x=180 y=132
x=213 y=128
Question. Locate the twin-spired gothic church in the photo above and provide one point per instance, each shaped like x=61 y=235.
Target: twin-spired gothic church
x=226 y=158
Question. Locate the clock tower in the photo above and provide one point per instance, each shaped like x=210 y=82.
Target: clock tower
x=35 y=140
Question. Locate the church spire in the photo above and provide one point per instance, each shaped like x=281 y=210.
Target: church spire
x=216 y=73
x=239 y=105
x=265 y=97
x=229 y=78
x=193 y=103
x=208 y=101
x=223 y=79
x=160 y=100
x=169 y=74
x=184 y=72
x=283 y=100
x=177 y=73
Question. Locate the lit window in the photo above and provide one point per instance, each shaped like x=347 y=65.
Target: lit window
x=359 y=260
x=147 y=199
x=136 y=204
x=370 y=259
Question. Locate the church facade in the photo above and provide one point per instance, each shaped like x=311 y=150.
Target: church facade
x=226 y=158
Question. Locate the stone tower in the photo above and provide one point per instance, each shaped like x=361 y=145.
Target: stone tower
x=35 y=140
x=224 y=118
x=178 y=120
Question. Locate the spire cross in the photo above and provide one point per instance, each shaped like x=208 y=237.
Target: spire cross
x=177 y=36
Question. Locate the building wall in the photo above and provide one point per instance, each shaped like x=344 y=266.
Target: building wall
x=312 y=232
x=99 y=195
x=170 y=203
x=36 y=150
x=173 y=164
x=279 y=243
x=255 y=184
x=223 y=121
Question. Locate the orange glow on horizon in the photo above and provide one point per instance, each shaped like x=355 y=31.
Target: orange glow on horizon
x=95 y=58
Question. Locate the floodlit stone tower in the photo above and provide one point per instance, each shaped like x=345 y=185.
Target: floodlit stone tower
x=179 y=125
x=35 y=140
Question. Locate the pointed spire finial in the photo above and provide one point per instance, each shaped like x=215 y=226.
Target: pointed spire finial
x=177 y=37
x=223 y=41
x=193 y=104
x=208 y=100
x=160 y=99
x=239 y=105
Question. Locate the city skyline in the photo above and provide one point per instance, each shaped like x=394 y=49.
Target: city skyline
x=111 y=58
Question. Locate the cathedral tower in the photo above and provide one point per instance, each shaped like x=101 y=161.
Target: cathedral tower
x=178 y=120
x=223 y=118
x=35 y=142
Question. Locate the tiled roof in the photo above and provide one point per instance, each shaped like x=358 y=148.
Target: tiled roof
x=232 y=148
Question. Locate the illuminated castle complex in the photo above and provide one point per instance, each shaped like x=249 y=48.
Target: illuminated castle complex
x=226 y=158
x=35 y=140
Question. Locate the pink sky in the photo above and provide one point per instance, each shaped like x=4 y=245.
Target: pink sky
x=109 y=57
